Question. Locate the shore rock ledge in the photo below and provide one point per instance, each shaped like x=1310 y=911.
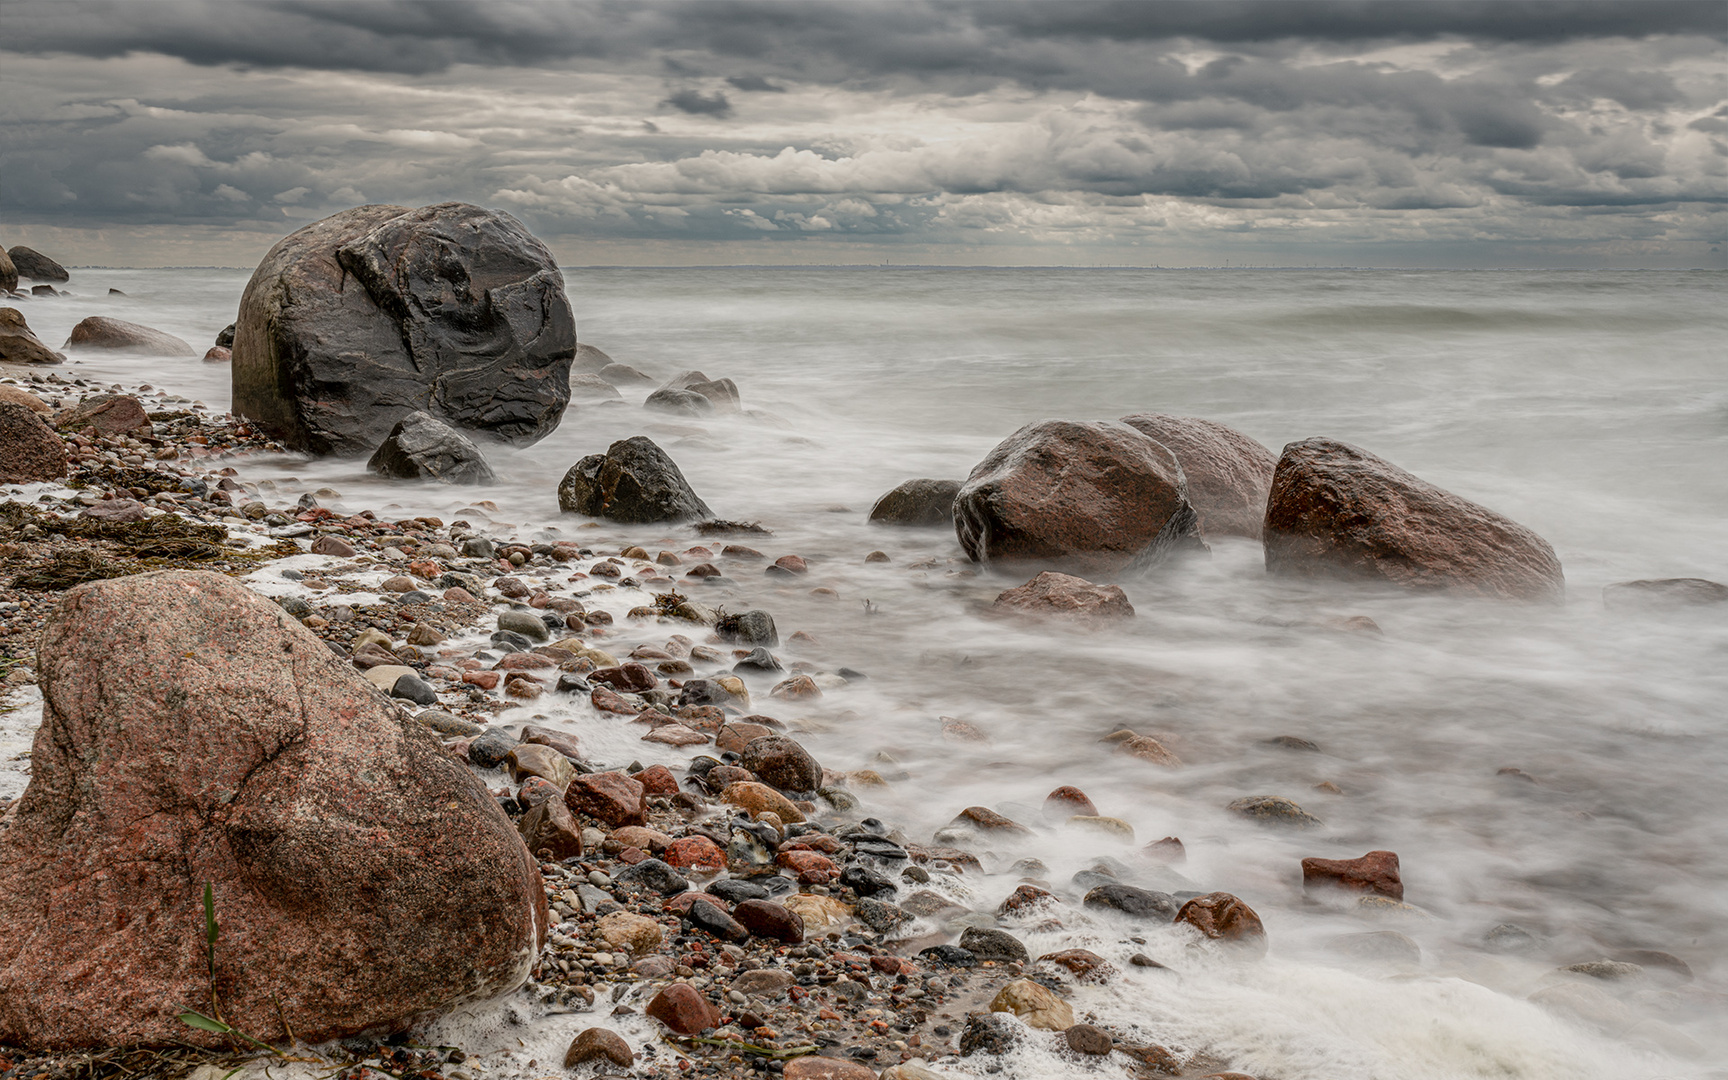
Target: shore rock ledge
x=1091 y=497
x=1339 y=511
x=359 y=319
x=194 y=733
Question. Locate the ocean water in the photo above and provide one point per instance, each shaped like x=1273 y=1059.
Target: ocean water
x=1590 y=406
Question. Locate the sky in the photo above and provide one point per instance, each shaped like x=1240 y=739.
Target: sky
x=1061 y=132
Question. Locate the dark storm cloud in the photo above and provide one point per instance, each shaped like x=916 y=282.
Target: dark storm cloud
x=697 y=103
x=937 y=122
x=816 y=40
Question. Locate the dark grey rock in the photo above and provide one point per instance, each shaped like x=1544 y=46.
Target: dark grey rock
x=634 y=482
x=225 y=339
x=571 y=683
x=748 y=628
x=359 y=319
x=423 y=447
x=781 y=762
x=510 y=641
x=478 y=547
x=950 y=956
x=1141 y=903
x=987 y=944
x=678 y=402
x=490 y=748
x=649 y=875
x=759 y=661
x=734 y=890
x=525 y=623
x=710 y=917
x=926 y=503
x=867 y=882
x=989 y=1033
x=879 y=915
x=414 y=688
x=32 y=264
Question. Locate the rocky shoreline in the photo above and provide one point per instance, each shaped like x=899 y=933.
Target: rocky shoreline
x=752 y=912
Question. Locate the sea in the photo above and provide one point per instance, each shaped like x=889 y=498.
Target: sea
x=1589 y=405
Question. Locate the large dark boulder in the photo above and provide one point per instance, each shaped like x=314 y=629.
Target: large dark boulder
x=19 y=344
x=36 y=266
x=29 y=449
x=196 y=735
x=101 y=332
x=423 y=447
x=1229 y=474
x=917 y=502
x=1337 y=510
x=8 y=273
x=1093 y=497
x=633 y=482
x=359 y=319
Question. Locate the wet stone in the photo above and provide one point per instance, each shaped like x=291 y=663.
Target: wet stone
x=599 y=1044
x=989 y=1033
x=1140 y=903
x=1086 y=1039
x=489 y=749
x=765 y=918
x=987 y=944
x=950 y=956
x=880 y=915
x=650 y=875
x=735 y=890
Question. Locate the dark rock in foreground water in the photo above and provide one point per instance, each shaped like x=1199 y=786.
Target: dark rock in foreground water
x=924 y=502
x=1339 y=511
x=421 y=446
x=188 y=738
x=1229 y=475
x=634 y=482
x=1094 y=498
x=359 y=319
x=1141 y=903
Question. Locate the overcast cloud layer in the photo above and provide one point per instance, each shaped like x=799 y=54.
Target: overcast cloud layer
x=1284 y=133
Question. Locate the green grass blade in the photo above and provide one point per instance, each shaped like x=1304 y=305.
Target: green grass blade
x=204 y=1023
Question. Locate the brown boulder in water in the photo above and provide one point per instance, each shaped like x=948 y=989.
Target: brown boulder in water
x=922 y=502
x=1094 y=497
x=1339 y=511
x=193 y=733
x=8 y=273
x=1063 y=596
x=1375 y=873
x=357 y=320
x=1229 y=475
x=32 y=264
x=101 y=332
x=1222 y=917
x=19 y=344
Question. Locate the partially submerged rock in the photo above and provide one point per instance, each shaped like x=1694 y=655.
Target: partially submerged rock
x=1225 y=918
x=1375 y=873
x=1229 y=475
x=923 y=502
x=193 y=733
x=1091 y=497
x=101 y=332
x=32 y=264
x=1063 y=596
x=19 y=344
x=423 y=447
x=634 y=482
x=1336 y=510
x=1651 y=593
x=8 y=272
x=357 y=320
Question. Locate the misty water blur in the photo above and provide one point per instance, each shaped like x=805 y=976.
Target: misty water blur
x=1590 y=406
